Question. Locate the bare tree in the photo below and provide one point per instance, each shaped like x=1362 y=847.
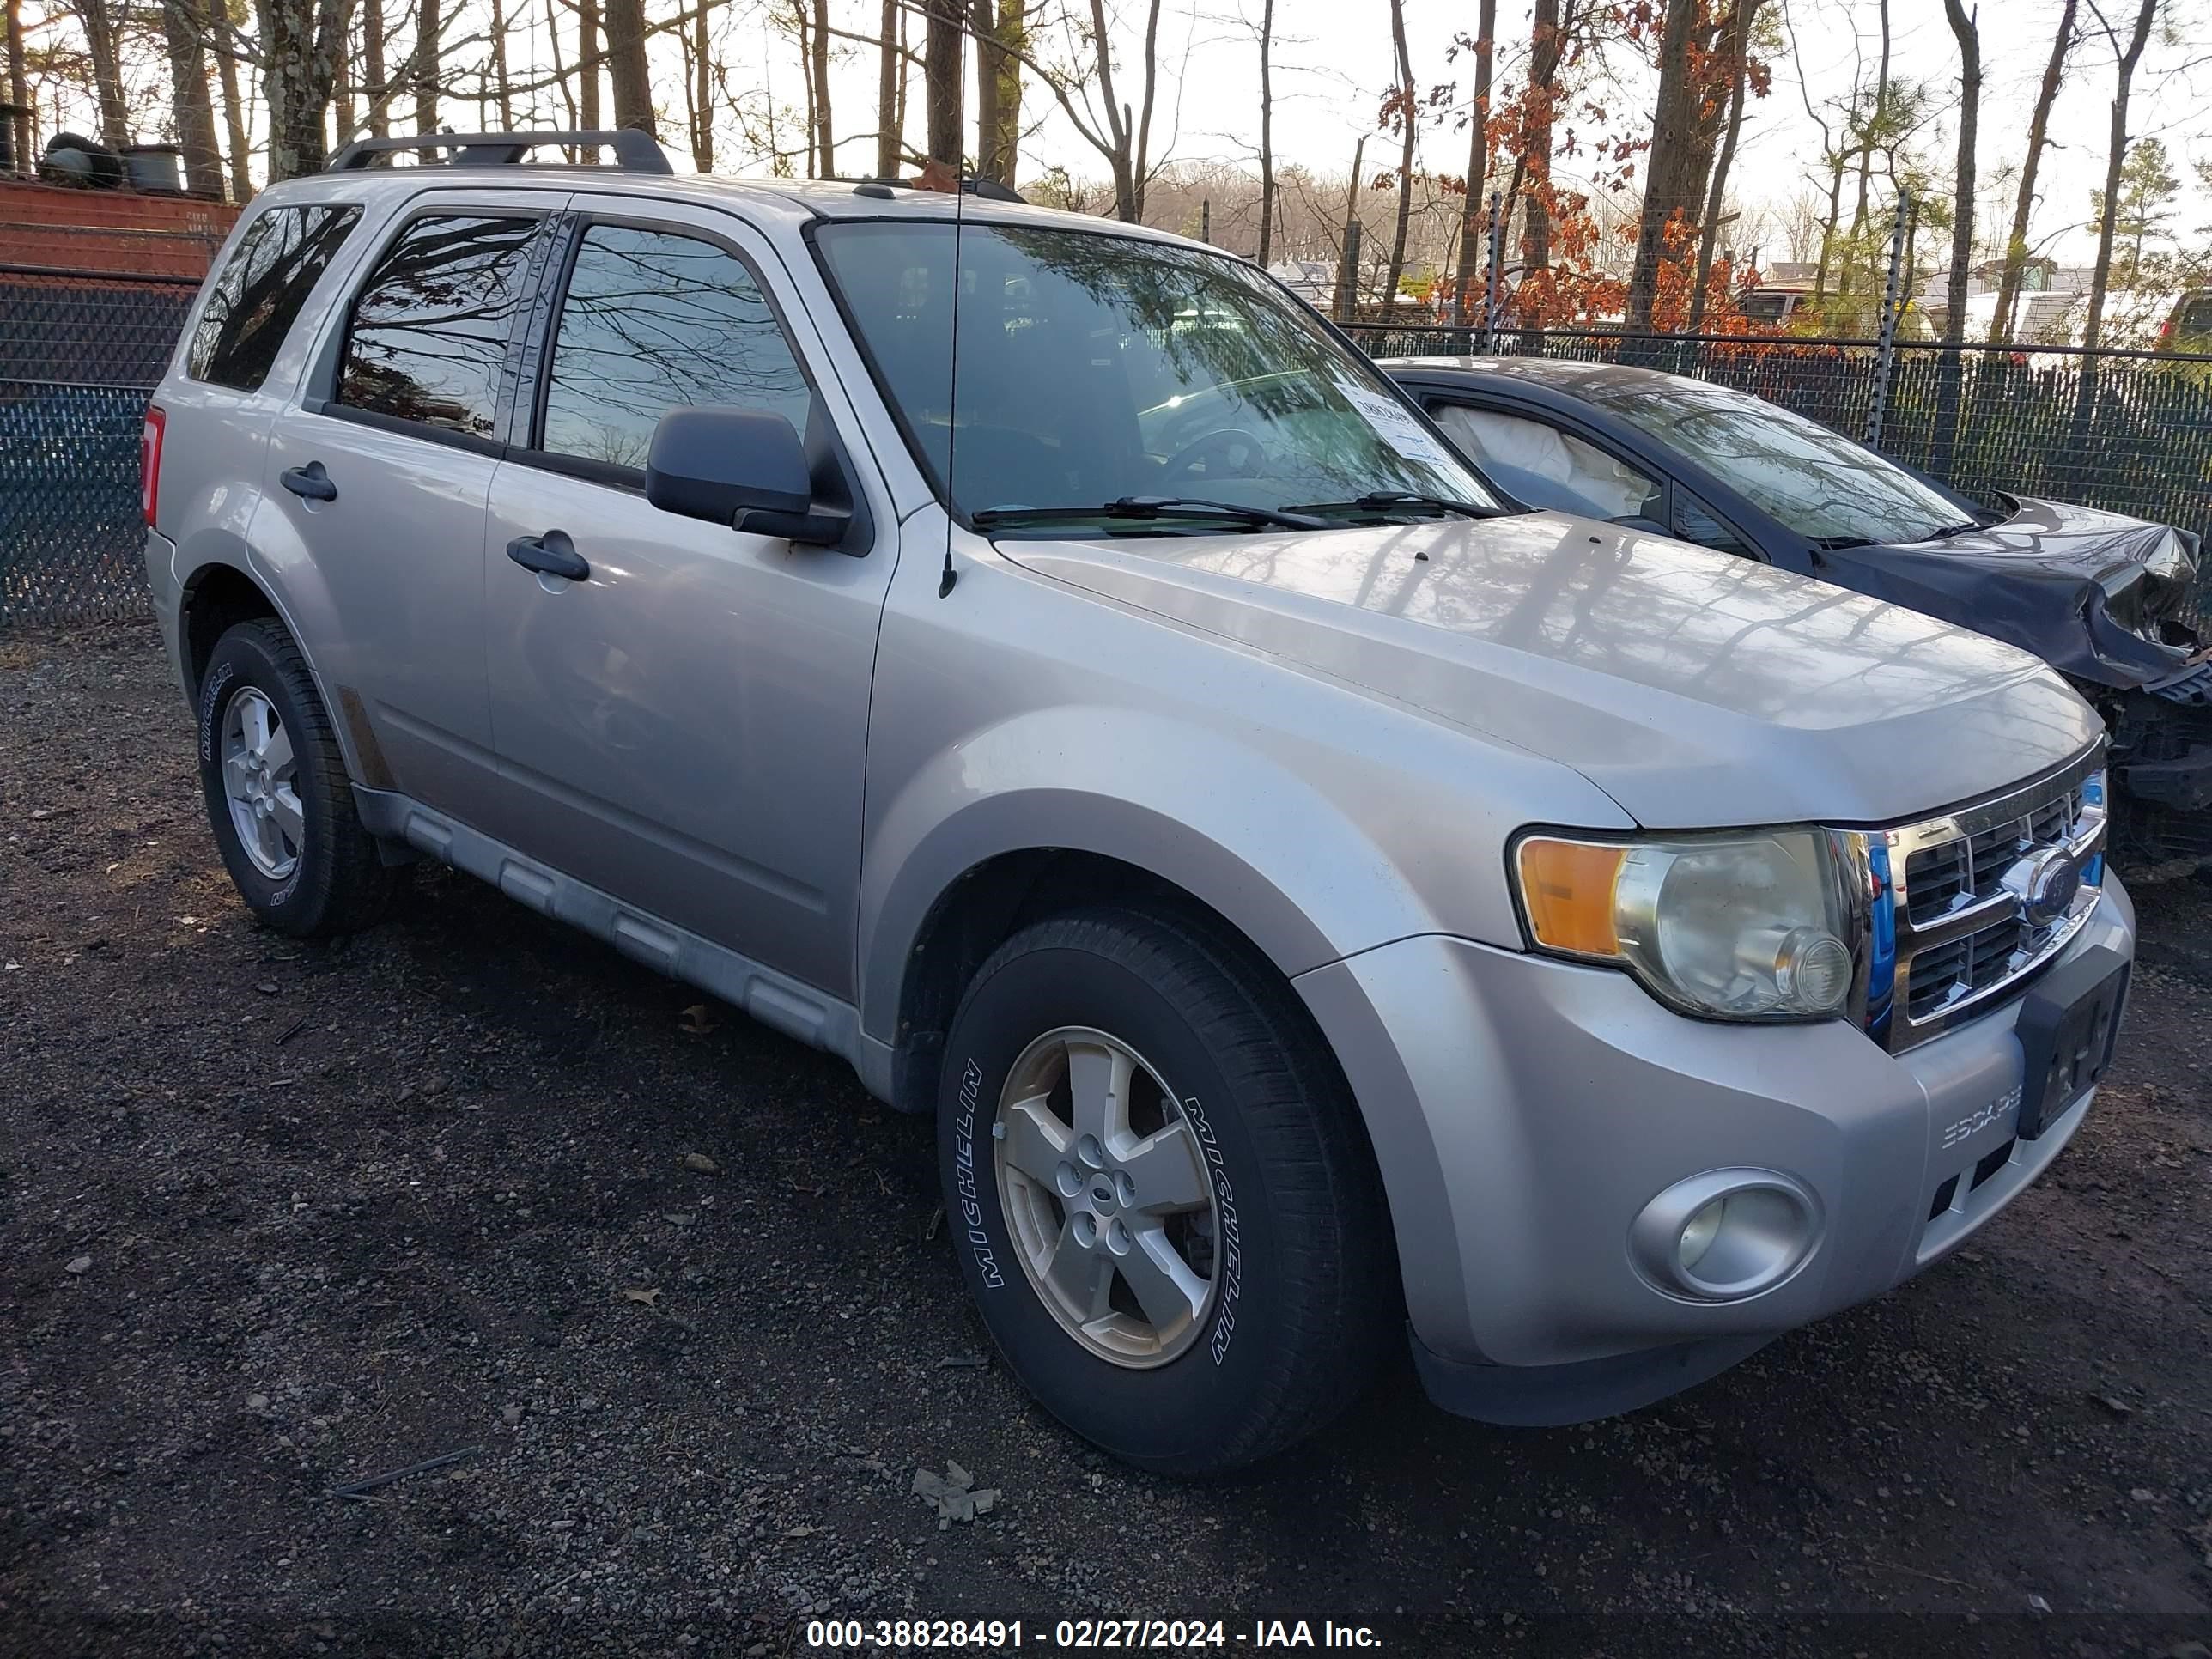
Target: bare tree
x=185 y=30
x=299 y=48
x=374 y=88
x=626 y=66
x=503 y=85
x=1404 y=103
x=699 y=96
x=234 y=102
x=1267 y=128
x=2125 y=60
x=1868 y=127
x=825 y=143
x=429 y=25
x=1739 y=47
x=1967 y=31
x=99 y=25
x=1001 y=33
x=19 y=84
x=2038 y=127
x=941 y=51
x=891 y=92
x=1475 y=223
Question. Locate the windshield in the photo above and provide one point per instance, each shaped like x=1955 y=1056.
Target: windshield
x=1813 y=481
x=1095 y=370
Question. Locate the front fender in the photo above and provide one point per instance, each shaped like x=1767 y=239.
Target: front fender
x=1235 y=829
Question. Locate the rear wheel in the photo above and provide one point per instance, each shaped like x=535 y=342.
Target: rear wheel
x=277 y=795
x=1164 y=1204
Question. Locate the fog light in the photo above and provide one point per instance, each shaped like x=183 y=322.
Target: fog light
x=1697 y=1237
x=1727 y=1234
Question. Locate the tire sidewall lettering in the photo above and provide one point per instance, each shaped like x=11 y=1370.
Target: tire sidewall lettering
x=980 y=1245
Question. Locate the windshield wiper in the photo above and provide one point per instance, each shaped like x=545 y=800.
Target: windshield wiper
x=1837 y=544
x=1377 y=500
x=1944 y=532
x=1154 y=507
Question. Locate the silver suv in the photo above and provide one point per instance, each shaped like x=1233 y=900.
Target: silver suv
x=1038 y=660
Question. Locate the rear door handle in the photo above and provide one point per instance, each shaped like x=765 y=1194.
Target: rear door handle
x=309 y=483
x=551 y=554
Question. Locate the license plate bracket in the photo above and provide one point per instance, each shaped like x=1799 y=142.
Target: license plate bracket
x=2067 y=1027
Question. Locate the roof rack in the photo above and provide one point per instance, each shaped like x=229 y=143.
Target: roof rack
x=635 y=151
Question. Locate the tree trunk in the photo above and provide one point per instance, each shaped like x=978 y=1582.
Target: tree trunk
x=188 y=73
x=503 y=85
x=19 y=87
x=825 y=142
x=428 y=61
x=1408 y=111
x=891 y=82
x=1267 y=128
x=1665 y=191
x=1117 y=121
x=1347 y=306
x=344 y=83
x=1868 y=134
x=2106 y=224
x=1828 y=229
x=626 y=65
x=1140 y=168
x=1013 y=40
x=106 y=72
x=233 y=105
x=1968 y=35
x=2038 y=125
x=1536 y=154
x=1739 y=47
x=703 y=95
x=589 y=62
x=983 y=24
x=298 y=62
x=941 y=73
x=373 y=87
x=1475 y=224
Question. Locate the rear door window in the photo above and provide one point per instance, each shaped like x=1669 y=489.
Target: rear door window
x=254 y=300
x=654 y=321
x=429 y=331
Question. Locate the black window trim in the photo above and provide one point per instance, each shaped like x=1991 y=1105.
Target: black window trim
x=320 y=397
x=251 y=227
x=525 y=427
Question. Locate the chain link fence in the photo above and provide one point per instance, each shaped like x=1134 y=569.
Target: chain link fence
x=78 y=356
x=2128 y=431
x=2125 y=430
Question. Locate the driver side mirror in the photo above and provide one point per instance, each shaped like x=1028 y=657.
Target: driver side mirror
x=742 y=467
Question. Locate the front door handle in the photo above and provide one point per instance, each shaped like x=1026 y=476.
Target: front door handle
x=551 y=554
x=310 y=483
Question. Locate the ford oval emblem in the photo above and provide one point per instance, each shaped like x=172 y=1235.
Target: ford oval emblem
x=2053 y=882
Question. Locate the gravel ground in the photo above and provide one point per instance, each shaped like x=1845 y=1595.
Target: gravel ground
x=277 y=1217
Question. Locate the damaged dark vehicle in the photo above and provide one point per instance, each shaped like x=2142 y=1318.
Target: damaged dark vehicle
x=2110 y=601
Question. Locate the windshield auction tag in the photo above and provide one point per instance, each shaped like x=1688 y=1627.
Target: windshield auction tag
x=1395 y=423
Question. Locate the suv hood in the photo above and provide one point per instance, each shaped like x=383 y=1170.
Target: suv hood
x=2068 y=583
x=1698 y=690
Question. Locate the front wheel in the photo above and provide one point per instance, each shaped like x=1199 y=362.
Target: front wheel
x=1164 y=1204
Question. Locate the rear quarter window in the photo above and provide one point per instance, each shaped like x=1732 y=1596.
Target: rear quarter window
x=256 y=297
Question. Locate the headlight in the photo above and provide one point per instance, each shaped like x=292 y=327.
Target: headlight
x=1764 y=926
x=2171 y=559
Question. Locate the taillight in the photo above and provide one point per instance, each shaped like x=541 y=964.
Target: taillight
x=149 y=461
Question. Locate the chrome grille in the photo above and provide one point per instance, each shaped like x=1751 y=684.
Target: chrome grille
x=1966 y=927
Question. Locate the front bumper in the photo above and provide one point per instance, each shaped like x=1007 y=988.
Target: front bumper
x=1524 y=1110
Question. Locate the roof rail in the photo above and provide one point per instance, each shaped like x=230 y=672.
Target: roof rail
x=635 y=151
